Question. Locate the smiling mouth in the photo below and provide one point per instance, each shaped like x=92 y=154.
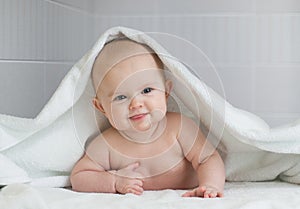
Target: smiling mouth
x=138 y=116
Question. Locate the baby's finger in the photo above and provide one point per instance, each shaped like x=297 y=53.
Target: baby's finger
x=137 y=175
x=138 y=182
x=210 y=194
x=202 y=189
x=132 y=166
x=188 y=194
x=137 y=190
x=130 y=171
x=206 y=195
x=220 y=194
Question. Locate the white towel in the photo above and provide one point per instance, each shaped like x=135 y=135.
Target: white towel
x=45 y=149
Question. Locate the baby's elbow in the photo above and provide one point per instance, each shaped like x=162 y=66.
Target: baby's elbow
x=214 y=156
x=77 y=181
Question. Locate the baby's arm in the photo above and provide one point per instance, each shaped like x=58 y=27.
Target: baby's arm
x=205 y=160
x=87 y=176
x=92 y=173
x=211 y=178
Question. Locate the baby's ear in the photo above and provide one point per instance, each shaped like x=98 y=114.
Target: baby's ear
x=169 y=87
x=98 y=105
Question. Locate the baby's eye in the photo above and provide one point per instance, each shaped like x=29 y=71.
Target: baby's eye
x=147 y=90
x=119 y=98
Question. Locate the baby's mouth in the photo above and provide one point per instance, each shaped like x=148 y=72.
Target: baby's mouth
x=138 y=116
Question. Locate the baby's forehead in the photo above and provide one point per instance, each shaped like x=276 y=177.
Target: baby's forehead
x=118 y=50
x=113 y=53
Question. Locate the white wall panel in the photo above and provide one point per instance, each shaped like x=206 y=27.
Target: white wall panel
x=21 y=88
x=238 y=86
x=54 y=73
x=22 y=29
x=276 y=38
x=86 y=6
x=277 y=6
x=277 y=89
x=40 y=40
x=69 y=33
x=225 y=39
x=177 y=7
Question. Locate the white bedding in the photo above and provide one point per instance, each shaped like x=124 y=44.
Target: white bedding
x=246 y=195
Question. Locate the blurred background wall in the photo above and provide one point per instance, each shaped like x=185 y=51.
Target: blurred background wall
x=254 y=46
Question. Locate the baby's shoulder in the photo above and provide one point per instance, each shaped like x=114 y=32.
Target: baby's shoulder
x=100 y=141
x=108 y=133
x=178 y=117
x=178 y=122
x=181 y=123
x=173 y=116
x=98 y=150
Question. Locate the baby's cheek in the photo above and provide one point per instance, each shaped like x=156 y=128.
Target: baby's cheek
x=158 y=114
x=119 y=120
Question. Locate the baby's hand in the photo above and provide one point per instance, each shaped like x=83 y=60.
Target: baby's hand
x=128 y=180
x=204 y=191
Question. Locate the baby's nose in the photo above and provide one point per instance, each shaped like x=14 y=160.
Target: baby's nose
x=135 y=103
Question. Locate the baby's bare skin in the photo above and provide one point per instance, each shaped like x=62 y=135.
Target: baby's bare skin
x=147 y=148
x=167 y=162
x=182 y=176
x=161 y=163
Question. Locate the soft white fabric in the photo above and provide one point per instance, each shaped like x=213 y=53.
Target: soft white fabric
x=266 y=195
x=11 y=173
x=48 y=146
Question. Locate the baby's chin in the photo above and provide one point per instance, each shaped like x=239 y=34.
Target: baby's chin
x=152 y=120
x=138 y=128
x=141 y=126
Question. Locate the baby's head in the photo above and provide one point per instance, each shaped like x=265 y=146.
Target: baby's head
x=131 y=89
x=117 y=51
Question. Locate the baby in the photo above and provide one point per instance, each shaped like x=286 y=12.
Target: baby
x=146 y=148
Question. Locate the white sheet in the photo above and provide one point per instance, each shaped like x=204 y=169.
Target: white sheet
x=246 y=195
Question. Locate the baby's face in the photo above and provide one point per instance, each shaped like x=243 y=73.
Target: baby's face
x=133 y=94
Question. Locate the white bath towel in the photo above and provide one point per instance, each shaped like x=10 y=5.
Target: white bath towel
x=43 y=150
